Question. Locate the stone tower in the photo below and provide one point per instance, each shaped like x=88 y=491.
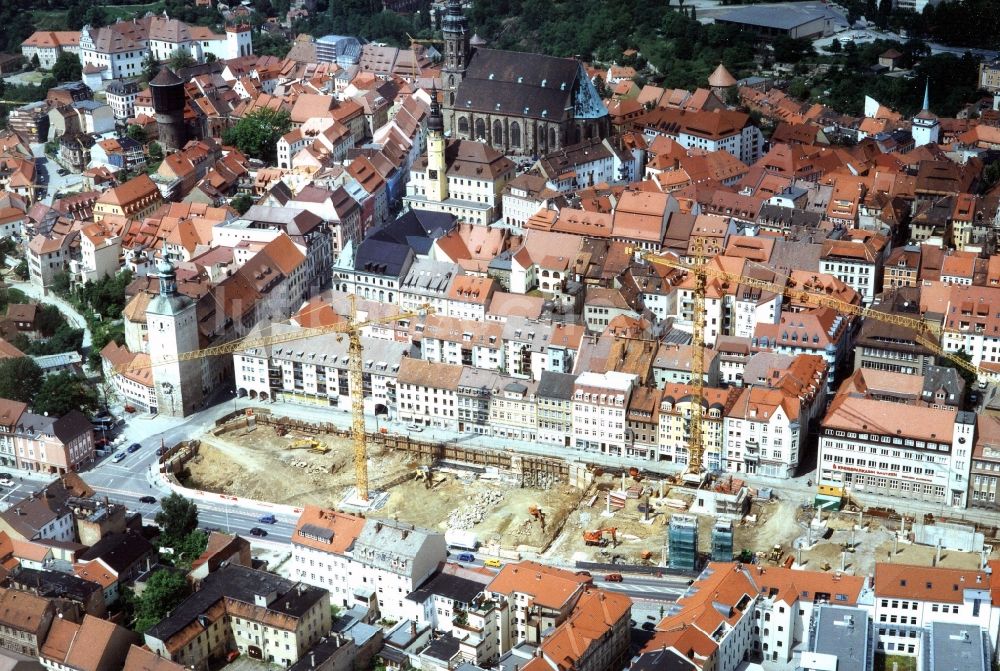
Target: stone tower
x=437 y=168
x=457 y=49
x=172 y=329
x=168 y=103
x=926 y=128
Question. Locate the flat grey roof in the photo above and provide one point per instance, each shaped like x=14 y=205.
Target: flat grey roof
x=844 y=633
x=958 y=647
x=785 y=18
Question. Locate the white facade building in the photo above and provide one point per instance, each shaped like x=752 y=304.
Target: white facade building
x=885 y=449
x=600 y=401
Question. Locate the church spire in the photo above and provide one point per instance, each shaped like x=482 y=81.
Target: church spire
x=435 y=122
x=927 y=96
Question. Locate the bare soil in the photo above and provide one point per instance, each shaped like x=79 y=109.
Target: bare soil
x=507 y=522
x=259 y=465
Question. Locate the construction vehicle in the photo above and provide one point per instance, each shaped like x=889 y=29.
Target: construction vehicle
x=775 y=554
x=538 y=514
x=597 y=537
x=352 y=329
x=309 y=444
x=646 y=555
x=634 y=473
x=806 y=295
x=424 y=473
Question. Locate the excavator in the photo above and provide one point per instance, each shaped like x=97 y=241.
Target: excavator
x=310 y=444
x=424 y=473
x=538 y=514
x=597 y=537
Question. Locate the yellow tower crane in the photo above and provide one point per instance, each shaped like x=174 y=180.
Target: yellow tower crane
x=352 y=329
x=924 y=334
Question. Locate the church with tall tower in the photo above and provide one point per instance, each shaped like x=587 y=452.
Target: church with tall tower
x=926 y=128
x=172 y=328
x=518 y=103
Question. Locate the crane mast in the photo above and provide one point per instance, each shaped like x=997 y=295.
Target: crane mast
x=696 y=444
x=352 y=329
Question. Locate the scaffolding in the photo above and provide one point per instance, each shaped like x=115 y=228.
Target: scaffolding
x=722 y=541
x=682 y=539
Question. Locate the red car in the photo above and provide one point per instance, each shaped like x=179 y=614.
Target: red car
x=613 y=577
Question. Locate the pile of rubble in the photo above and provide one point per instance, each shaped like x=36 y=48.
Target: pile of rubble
x=472 y=514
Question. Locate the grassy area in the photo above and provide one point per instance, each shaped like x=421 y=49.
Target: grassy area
x=114 y=12
x=54 y=19
x=884 y=662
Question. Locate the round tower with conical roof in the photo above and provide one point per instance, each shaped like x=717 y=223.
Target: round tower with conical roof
x=168 y=103
x=721 y=81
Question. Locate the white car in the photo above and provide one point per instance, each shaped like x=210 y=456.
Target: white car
x=415 y=428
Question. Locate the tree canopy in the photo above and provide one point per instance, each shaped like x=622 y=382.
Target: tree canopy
x=20 y=379
x=180 y=58
x=164 y=590
x=257 y=134
x=242 y=203
x=65 y=391
x=177 y=518
x=67 y=68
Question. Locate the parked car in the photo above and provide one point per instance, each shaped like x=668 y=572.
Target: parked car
x=613 y=577
x=493 y=563
x=160 y=451
x=232 y=654
x=147 y=499
x=119 y=457
x=134 y=447
x=6 y=479
x=466 y=556
x=415 y=428
x=648 y=626
x=267 y=519
x=257 y=531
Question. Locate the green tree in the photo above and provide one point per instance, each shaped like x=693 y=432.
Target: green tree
x=155 y=151
x=990 y=176
x=21 y=271
x=20 y=379
x=150 y=67
x=178 y=517
x=164 y=590
x=61 y=283
x=189 y=548
x=242 y=203
x=35 y=63
x=257 y=134
x=65 y=391
x=137 y=133
x=210 y=57
x=180 y=59
x=67 y=68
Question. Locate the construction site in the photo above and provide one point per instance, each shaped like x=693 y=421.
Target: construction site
x=571 y=514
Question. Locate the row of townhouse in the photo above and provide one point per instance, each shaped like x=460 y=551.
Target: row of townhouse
x=42 y=443
x=781 y=618
x=464 y=383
